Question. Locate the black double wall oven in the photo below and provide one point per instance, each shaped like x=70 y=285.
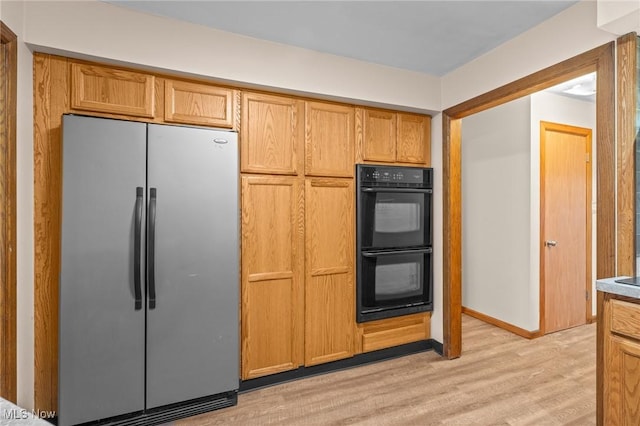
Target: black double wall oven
x=393 y=241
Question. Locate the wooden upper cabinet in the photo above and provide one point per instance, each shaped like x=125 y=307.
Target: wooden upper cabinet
x=329 y=139
x=392 y=137
x=272 y=241
x=329 y=287
x=111 y=90
x=199 y=104
x=413 y=141
x=271 y=134
x=378 y=135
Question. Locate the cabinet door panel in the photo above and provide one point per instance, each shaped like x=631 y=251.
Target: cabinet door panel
x=413 y=139
x=272 y=127
x=622 y=386
x=329 y=292
x=103 y=89
x=200 y=104
x=328 y=139
x=272 y=260
x=378 y=136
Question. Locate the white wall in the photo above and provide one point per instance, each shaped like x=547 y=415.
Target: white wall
x=12 y=14
x=574 y=112
x=619 y=16
x=564 y=36
x=438 y=244
x=95 y=29
x=496 y=157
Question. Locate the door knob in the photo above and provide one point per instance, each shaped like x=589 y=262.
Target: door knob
x=550 y=243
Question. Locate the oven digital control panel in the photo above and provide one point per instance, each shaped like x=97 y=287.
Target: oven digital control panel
x=395 y=176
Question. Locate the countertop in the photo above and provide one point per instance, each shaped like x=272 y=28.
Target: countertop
x=608 y=285
x=11 y=414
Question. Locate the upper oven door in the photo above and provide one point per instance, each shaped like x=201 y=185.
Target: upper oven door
x=393 y=218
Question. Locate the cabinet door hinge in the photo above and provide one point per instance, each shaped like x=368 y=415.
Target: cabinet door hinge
x=587 y=294
x=587 y=157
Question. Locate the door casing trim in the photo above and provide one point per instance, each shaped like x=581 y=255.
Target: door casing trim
x=8 y=280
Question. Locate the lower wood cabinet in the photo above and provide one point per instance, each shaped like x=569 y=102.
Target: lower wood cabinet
x=272 y=299
x=329 y=287
x=621 y=382
x=389 y=332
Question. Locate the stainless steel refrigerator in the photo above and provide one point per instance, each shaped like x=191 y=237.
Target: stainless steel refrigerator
x=148 y=320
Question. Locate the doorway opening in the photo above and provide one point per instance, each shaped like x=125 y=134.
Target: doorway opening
x=600 y=60
x=503 y=185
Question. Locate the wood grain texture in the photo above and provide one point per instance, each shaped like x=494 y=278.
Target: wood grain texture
x=199 y=104
x=625 y=318
x=601 y=60
x=601 y=325
x=627 y=84
x=8 y=214
x=329 y=285
x=237 y=102
x=51 y=92
x=359 y=136
x=396 y=331
x=272 y=134
x=501 y=324
x=565 y=217
x=606 y=166
x=621 y=369
x=329 y=139
x=452 y=236
x=272 y=275
x=378 y=135
x=413 y=139
x=112 y=90
x=501 y=379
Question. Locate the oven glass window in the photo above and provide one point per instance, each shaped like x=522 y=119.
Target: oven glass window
x=389 y=280
x=394 y=220
x=398 y=279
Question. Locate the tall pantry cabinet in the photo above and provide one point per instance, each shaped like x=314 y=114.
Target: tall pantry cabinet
x=296 y=313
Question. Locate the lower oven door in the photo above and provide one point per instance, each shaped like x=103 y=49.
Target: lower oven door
x=393 y=283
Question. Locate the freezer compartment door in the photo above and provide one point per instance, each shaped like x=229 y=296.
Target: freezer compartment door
x=101 y=326
x=193 y=269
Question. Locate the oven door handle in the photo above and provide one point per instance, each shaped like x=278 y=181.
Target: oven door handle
x=386 y=252
x=381 y=189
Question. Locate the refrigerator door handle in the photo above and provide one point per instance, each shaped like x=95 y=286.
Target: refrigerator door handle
x=137 y=288
x=151 y=251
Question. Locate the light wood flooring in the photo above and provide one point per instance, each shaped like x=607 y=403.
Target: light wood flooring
x=501 y=379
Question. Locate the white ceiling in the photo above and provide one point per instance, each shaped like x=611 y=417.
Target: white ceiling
x=434 y=37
